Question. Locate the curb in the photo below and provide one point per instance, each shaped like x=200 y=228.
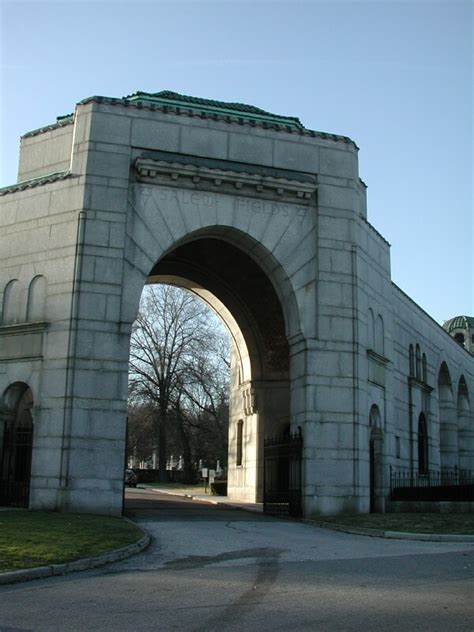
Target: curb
x=212 y=500
x=392 y=535
x=184 y=495
x=25 y=574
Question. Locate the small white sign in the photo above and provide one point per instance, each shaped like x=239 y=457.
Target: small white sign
x=212 y=475
x=204 y=472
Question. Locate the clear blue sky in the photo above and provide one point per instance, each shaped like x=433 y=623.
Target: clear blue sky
x=394 y=76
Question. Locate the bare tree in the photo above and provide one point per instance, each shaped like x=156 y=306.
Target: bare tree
x=176 y=367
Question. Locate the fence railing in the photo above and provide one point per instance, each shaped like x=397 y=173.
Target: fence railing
x=282 y=474
x=452 y=484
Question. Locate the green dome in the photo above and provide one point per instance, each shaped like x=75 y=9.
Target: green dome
x=459 y=322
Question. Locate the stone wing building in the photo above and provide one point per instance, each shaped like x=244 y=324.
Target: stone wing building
x=267 y=222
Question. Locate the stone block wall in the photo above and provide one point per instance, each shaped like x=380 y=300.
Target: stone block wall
x=45 y=151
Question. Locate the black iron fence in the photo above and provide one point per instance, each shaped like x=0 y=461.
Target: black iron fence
x=282 y=475
x=444 y=485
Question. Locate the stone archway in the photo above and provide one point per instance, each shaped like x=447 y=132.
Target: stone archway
x=16 y=444
x=237 y=289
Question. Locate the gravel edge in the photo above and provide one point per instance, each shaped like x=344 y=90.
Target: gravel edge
x=26 y=574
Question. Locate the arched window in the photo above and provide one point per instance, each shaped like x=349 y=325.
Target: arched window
x=374 y=417
x=371 y=330
x=418 y=362
x=11 y=298
x=240 y=441
x=459 y=338
x=411 y=354
x=466 y=445
x=36 y=299
x=422 y=445
x=379 y=335
x=424 y=369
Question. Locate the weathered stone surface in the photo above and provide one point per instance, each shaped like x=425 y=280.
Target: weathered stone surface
x=302 y=280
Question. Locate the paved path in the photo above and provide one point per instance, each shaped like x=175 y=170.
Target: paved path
x=216 y=568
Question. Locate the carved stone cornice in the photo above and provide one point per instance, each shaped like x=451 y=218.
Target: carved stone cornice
x=377 y=357
x=20 y=329
x=190 y=176
x=22 y=341
x=414 y=381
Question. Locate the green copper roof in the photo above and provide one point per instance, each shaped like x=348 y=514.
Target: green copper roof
x=182 y=105
x=459 y=322
x=198 y=105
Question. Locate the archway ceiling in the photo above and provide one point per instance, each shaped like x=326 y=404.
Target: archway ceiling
x=240 y=284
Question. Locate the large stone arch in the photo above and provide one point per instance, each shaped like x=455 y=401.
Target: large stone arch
x=229 y=279
x=256 y=273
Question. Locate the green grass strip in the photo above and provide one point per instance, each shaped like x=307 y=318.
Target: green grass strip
x=443 y=523
x=39 y=538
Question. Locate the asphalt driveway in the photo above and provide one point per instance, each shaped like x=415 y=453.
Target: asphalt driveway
x=217 y=568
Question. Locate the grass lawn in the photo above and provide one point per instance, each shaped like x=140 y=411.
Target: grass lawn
x=39 y=538
x=409 y=522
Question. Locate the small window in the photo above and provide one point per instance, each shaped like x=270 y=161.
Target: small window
x=397 y=447
x=240 y=441
x=459 y=338
x=424 y=369
x=412 y=361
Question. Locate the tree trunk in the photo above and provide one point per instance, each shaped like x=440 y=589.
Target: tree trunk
x=162 y=451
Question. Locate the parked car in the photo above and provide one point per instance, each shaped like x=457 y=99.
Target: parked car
x=131 y=478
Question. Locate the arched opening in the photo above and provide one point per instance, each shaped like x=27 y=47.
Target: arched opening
x=411 y=356
x=376 y=482
x=11 y=302
x=16 y=442
x=448 y=423
x=371 y=330
x=418 y=363
x=423 y=458
x=234 y=285
x=379 y=335
x=35 y=309
x=424 y=369
x=466 y=427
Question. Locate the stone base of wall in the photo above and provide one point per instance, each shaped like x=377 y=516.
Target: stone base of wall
x=429 y=507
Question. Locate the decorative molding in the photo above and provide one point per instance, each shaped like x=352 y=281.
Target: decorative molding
x=380 y=359
x=189 y=176
x=22 y=341
x=414 y=381
x=36 y=182
x=23 y=328
x=250 y=401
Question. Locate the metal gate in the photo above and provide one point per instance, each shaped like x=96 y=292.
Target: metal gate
x=282 y=475
x=15 y=465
